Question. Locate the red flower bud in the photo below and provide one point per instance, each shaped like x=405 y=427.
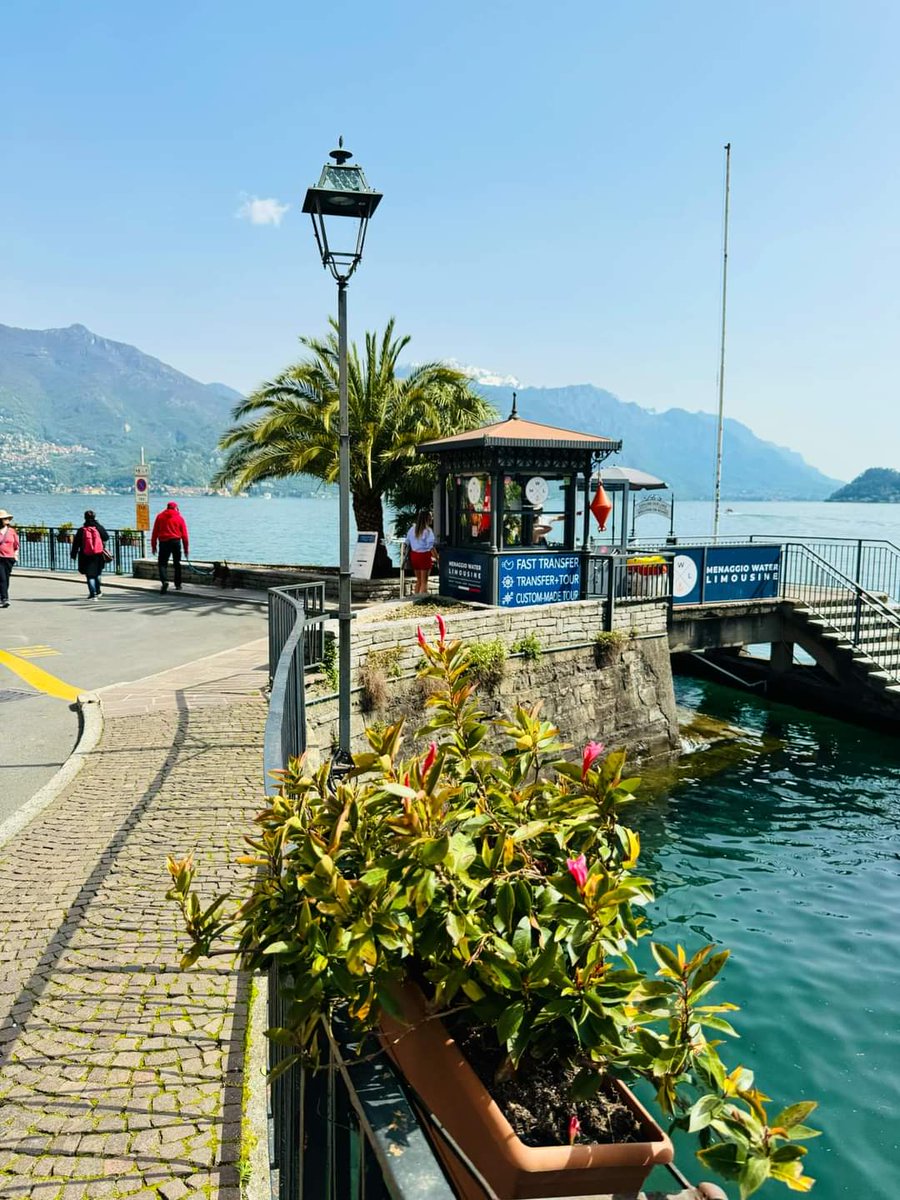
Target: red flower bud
x=442 y=628
x=420 y=637
x=592 y=751
x=574 y=1129
x=578 y=869
x=428 y=761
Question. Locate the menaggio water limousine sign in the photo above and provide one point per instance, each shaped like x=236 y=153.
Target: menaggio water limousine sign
x=708 y=574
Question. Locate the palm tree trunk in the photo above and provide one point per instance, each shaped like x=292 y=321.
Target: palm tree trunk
x=368 y=512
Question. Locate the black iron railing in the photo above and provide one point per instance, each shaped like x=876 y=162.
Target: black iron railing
x=347 y=1131
x=871 y=563
x=49 y=548
x=858 y=616
x=628 y=579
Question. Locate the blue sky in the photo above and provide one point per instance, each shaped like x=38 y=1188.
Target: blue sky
x=552 y=179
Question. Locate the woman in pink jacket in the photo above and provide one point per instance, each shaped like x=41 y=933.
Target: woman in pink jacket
x=9 y=552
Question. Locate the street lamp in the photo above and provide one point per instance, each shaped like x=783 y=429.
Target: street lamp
x=342 y=191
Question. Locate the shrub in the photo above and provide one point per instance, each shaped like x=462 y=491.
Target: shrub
x=487 y=663
x=608 y=644
x=379 y=667
x=506 y=883
x=529 y=646
x=330 y=659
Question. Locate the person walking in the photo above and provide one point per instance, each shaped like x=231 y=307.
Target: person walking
x=9 y=552
x=420 y=542
x=89 y=548
x=170 y=533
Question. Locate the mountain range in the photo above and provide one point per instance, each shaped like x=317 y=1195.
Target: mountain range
x=76 y=409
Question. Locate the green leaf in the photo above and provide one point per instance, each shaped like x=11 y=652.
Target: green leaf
x=666 y=958
x=724 y=1157
x=456 y=926
x=753 y=1175
x=710 y=969
x=586 y=1084
x=506 y=904
x=794 y=1114
x=435 y=851
x=703 y=1112
x=509 y=1022
x=530 y=830
x=279 y=947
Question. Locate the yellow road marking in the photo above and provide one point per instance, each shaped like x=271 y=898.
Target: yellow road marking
x=34 y=651
x=40 y=680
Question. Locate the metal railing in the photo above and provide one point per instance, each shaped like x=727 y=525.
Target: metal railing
x=348 y=1131
x=296 y=641
x=864 y=620
x=49 y=548
x=873 y=564
x=622 y=579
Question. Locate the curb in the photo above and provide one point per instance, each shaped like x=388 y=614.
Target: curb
x=255 y=1122
x=128 y=583
x=90 y=727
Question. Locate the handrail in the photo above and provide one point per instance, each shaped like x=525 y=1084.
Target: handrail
x=823 y=589
x=873 y=563
x=48 y=548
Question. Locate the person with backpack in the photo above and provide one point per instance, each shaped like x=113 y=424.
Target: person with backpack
x=89 y=547
x=170 y=533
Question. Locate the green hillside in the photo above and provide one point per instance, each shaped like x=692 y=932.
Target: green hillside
x=877 y=485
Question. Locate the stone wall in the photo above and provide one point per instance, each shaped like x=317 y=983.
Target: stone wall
x=620 y=694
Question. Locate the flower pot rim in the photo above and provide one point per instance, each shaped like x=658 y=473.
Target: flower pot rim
x=438 y=1054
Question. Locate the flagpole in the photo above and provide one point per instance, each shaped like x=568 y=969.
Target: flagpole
x=720 y=429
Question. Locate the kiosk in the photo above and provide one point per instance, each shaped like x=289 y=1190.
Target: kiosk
x=508 y=525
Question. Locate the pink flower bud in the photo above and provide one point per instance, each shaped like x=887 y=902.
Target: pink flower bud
x=574 y=1129
x=578 y=869
x=406 y=779
x=442 y=628
x=428 y=761
x=420 y=637
x=592 y=751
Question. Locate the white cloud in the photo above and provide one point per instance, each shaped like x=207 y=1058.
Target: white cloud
x=262 y=212
x=485 y=374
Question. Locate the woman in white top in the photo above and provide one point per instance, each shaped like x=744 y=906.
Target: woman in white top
x=420 y=541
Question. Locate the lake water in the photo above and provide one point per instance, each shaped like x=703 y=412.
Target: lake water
x=790 y=856
x=294 y=530
x=791 y=859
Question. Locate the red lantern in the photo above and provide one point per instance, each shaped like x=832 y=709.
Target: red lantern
x=601 y=505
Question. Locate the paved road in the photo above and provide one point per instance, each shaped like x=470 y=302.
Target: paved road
x=50 y=627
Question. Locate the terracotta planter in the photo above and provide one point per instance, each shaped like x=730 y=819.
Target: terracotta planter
x=430 y=1059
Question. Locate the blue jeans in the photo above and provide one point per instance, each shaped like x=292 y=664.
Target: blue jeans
x=93 y=582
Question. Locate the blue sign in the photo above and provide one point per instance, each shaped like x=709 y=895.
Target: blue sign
x=717 y=573
x=527 y=579
x=465 y=574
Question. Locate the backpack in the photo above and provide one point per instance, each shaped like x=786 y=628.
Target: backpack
x=91 y=541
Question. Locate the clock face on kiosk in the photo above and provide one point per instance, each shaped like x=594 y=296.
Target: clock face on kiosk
x=536 y=490
x=473 y=489
x=684 y=575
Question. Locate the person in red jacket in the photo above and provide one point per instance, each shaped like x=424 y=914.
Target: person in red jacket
x=170 y=533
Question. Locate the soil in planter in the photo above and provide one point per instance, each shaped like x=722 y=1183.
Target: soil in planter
x=537 y=1099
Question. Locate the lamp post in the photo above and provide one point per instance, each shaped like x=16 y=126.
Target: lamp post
x=342 y=191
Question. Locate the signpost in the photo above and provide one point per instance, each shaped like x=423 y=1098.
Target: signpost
x=142 y=498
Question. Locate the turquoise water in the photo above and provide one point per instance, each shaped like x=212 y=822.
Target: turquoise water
x=792 y=859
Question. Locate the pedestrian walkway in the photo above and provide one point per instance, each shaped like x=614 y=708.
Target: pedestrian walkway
x=120 y=1074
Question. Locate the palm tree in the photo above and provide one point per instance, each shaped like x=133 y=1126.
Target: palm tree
x=291 y=425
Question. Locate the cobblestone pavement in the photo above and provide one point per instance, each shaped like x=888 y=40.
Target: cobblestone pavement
x=120 y=1075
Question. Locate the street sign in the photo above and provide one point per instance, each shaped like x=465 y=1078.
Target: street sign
x=142 y=498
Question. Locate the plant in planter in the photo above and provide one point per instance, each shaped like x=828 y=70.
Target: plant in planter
x=129 y=537
x=64 y=532
x=497 y=891
x=35 y=533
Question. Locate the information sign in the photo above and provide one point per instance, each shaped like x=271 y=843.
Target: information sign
x=466 y=575
x=715 y=573
x=364 y=555
x=528 y=579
